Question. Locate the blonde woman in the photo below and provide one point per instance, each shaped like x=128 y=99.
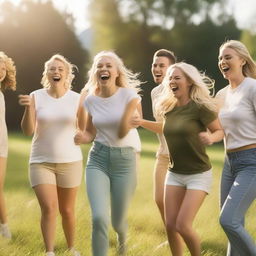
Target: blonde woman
x=111 y=167
x=190 y=124
x=7 y=82
x=238 y=119
x=55 y=165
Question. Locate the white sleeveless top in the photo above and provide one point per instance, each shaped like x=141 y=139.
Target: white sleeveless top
x=3 y=128
x=106 y=116
x=56 y=122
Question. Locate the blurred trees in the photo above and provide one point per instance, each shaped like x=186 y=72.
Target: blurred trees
x=31 y=33
x=135 y=29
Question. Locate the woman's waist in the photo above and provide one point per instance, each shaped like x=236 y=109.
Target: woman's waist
x=242 y=148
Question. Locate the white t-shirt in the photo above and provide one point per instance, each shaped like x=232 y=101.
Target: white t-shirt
x=238 y=113
x=56 y=123
x=163 y=148
x=3 y=128
x=106 y=116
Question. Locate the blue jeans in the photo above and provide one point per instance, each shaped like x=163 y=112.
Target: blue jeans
x=110 y=182
x=238 y=190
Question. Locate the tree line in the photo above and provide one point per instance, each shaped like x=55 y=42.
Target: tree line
x=194 y=29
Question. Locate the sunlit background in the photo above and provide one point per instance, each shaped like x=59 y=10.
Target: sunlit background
x=32 y=31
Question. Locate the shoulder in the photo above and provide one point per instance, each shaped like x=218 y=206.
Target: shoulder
x=250 y=83
x=156 y=90
x=222 y=92
x=38 y=92
x=73 y=94
x=128 y=92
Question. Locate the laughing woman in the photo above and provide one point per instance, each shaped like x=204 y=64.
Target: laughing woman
x=7 y=82
x=111 y=167
x=238 y=119
x=55 y=169
x=190 y=123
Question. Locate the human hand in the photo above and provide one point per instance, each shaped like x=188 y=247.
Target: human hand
x=135 y=122
x=205 y=138
x=79 y=138
x=25 y=100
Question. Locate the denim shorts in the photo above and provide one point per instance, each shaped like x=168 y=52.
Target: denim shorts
x=199 y=181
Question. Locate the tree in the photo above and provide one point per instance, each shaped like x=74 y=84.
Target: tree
x=137 y=28
x=31 y=33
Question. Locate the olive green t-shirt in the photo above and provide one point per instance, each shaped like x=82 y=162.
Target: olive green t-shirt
x=181 y=129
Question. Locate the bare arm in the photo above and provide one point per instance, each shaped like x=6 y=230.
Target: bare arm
x=125 y=124
x=88 y=135
x=81 y=113
x=214 y=134
x=29 y=117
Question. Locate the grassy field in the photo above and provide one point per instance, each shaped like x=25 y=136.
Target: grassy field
x=146 y=230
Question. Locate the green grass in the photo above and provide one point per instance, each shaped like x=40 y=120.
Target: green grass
x=146 y=231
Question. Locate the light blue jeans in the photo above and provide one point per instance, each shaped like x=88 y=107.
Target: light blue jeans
x=110 y=182
x=238 y=191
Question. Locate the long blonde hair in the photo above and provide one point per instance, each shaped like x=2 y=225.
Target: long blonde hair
x=9 y=81
x=69 y=68
x=249 y=68
x=199 y=92
x=126 y=77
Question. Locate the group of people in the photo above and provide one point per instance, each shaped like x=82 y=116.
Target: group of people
x=107 y=114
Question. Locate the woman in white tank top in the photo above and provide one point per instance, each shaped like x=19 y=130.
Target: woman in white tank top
x=7 y=81
x=52 y=115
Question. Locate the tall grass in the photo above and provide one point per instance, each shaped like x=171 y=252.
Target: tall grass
x=146 y=231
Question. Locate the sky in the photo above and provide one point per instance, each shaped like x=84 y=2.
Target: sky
x=244 y=11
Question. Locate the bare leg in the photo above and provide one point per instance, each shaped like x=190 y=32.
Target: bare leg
x=67 y=198
x=174 y=196
x=3 y=215
x=160 y=170
x=192 y=201
x=48 y=201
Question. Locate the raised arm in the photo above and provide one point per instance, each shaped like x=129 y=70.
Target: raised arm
x=88 y=135
x=29 y=117
x=125 y=124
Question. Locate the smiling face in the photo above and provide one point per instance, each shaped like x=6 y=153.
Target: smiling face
x=179 y=84
x=230 y=64
x=159 y=68
x=106 y=71
x=3 y=71
x=57 y=72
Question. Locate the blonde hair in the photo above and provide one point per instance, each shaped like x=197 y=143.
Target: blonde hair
x=126 y=77
x=249 y=68
x=199 y=92
x=9 y=81
x=69 y=68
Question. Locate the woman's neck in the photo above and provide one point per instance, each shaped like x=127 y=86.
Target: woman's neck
x=234 y=83
x=182 y=101
x=106 y=92
x=57 y=91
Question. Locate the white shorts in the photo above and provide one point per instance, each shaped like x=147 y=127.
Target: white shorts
x=200 y=181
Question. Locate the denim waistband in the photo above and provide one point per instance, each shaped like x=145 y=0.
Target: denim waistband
x=98 y=145
x=241 y=153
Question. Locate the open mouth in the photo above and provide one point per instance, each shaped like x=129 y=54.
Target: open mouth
x=104 y=77
x=56 y=79
x=226 y=69
x=158 y=75
x=174 y=89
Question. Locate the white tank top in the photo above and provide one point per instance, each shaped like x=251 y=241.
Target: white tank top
x=56 y=122
x=3 y=129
